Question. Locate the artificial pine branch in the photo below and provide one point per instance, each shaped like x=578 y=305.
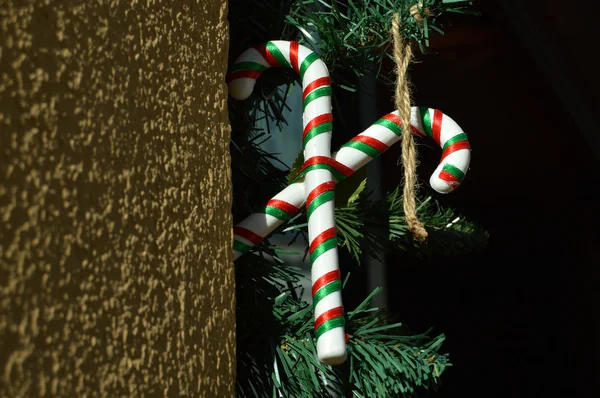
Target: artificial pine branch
x=374 y=228
x=276 y=346
x=276 y=354
x=352 y=35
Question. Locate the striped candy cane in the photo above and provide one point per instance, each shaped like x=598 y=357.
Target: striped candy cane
x=352 y=156
x=355 y=154
x=318 y=186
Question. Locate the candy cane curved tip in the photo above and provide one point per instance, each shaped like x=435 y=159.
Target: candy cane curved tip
x=448 y=176
x=441 y=186
x=456 y=155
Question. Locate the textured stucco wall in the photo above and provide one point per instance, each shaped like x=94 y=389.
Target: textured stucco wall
x=116 y=273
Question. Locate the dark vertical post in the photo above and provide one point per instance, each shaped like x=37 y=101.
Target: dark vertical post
x=368 y=114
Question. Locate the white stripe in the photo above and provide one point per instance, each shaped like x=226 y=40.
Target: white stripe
x=382 y=134
x=449 y=130
x=315 y=108
x=315 y=71
x=325 y=263
x=303 y=52
x=260 y=223
x=352 y=158
x=292 y=194
x=328 y=302
x=458 y=159
x=320 y=221
x=319 y=145
x=284 y=48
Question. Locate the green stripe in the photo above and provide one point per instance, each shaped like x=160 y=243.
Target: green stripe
x=248 y=66
x=457 y=138
x=307 y=62
x=326 y=291
x=339 y=176
x=320 y=92
x=322 y=248
x=274 y=50
x=319 y=129
x=318 y=201
x=361 y=146
x=388 y=124
x=241 y=247
x=330 y=324
x=426 y=118
x=455 y=171
x=277 y=213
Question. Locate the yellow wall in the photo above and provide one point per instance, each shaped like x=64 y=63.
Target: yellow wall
x=116 y=272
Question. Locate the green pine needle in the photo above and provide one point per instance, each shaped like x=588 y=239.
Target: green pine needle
x=276 y=352
x=374 y=228
x=356 y=34
x=279 y=357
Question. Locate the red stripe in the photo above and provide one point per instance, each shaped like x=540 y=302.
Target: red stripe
x=457 y=146
x=322 y=237
x=444 y=175
x=370 y=141
x=247 y=234
x=345 y=170
x=241 y=74
x=395 y=119
x=266 y=54
x=320 y=82
x=436 y=125
x=326 y=186
x=326 y=279
x=283 y=205
x=294 y=55
x=332 y=313
x=324 y=118
x=392 y=117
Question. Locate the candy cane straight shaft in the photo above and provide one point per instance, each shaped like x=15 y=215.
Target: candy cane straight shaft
x=319 y=185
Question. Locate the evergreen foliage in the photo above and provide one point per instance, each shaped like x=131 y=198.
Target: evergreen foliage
x=276 y=354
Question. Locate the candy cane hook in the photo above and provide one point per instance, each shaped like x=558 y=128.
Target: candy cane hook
x=318 y=185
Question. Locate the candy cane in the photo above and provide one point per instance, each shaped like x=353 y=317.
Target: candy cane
x=318 y=187
x=351 y=157
x=355 y=154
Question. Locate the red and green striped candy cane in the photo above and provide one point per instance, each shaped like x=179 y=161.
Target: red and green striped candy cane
x=352 y=156
x=318 y=185
x=425 y=122
x=356 y=153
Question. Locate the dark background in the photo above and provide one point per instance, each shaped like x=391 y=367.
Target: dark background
x=520 y=318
